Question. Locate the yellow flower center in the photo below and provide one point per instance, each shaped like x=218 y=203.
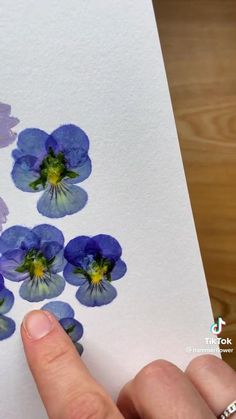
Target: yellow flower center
x=54 y=175
x=97 y=274
x=39 y=268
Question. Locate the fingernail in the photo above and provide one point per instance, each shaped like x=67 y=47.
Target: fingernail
x=37 y=324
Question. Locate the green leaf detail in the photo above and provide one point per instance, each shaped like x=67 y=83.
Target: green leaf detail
x=22 y=268
x=34 y=185
x=71 y=174
x=70 y=329
x=50 y=261
x=82 y=272
x=52 y=165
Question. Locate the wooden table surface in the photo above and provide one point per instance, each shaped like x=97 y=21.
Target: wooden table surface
x=198 y=39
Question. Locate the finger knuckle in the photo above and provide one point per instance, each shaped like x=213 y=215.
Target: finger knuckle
x=54 y=356
x=90 y=405
x=158 y=370
x=203 y=362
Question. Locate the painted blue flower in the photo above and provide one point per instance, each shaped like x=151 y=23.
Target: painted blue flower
x=7 y=122
x=65 y=315
x=7 y=325
x=54 y=164
x=34 y=257
x=3 y=213
x=93 y=263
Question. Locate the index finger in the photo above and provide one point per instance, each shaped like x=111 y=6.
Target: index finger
x=67 y=389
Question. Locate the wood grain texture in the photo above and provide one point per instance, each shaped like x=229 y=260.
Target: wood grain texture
x=199 y=45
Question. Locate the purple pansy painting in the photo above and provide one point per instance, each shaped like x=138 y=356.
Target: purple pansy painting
x=93 y=264
x=35 y=258
x=53 y=164
x=7 y=122
x=7 y=325
x=3 y=213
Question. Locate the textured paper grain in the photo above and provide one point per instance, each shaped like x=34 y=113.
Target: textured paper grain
x=98 y=64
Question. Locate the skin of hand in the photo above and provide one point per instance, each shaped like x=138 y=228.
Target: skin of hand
x=159 y=390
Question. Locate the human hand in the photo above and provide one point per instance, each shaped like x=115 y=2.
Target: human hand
x=160 y=390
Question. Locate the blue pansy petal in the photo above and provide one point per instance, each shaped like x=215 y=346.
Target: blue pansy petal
x=1 y=282
x=79 y=348
x=64 y=200
x=92 y=248
x=49 y=233
x=13 y=237
x=119 y=270
x=72 y=277
x=30 y=241
x=58 y=263
x=50 y=250
x=6 y=300
x=70 y=136
x=87 y=261
x=32 y=141
x=25 y=172
x=9 y=262
x=16 y=154
x=59 y=309
x=51 y=144
x=73 y=328
x=37 y=289
x=75 y=250
x=109 y=248
x=96 y=295
x=75 y=156
x=7 y=327
x=84 y=170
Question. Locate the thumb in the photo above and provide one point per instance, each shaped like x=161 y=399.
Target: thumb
x=67 y=389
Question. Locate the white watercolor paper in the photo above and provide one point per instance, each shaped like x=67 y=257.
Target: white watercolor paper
x=98 y=64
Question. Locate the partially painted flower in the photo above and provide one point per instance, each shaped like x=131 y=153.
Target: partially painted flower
x=7 y=325
x=7 y=122
x=93 y=263
x=53 y=164
x=65 y=315
x=33 y=257
x=3 y=213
